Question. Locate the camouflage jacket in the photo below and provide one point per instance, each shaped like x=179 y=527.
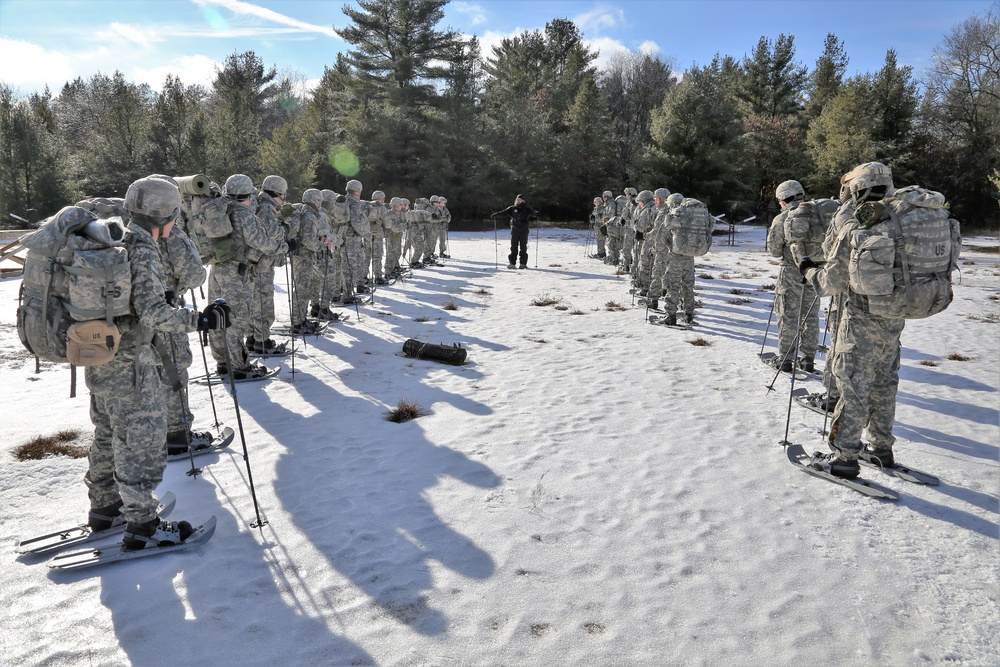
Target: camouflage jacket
x=182 y=265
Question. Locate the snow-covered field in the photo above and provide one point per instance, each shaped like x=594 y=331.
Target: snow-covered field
x=587 y=490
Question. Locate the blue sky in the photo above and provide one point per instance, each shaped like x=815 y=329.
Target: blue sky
x=52 y=41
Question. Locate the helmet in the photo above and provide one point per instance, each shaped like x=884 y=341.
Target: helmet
x=662 y=193
x=645 y=196
x=239 y=185
x=675 y=199
x=789 y=190
x=312 y=196
x=442 y=200
x=598 y=200
x=275 y=184
x=154 y=198
x=864 y=177
x=379 y=195
x=607 y=194
x=394 y=201
x=328 y=196
x=168 y=179
x=404 y=201
x=630 y=191
x=354 y=186
x=434 y=199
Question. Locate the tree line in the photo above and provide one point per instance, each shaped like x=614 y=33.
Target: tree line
x=415 y=109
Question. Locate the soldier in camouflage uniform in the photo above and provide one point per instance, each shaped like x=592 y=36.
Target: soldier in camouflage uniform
x=628 y=228
x=797 y=306
x=269 y=202
x=420 y=220
x=650 y=218
x=658 y=242
x=679 y=287
x=324 y=272
x=866 y=361
x=378 y=216
x=310 y=244
x=607 y=200
x=334 y=271
x=442 y=205
x=127 y=456
x=616 y=232
x=394 y=230
x=357 y=235
x=229 y=279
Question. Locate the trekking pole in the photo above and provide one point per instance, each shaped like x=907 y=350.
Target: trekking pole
x=538 y=231
x=326 y=272
x=259 y=523
x=182 y=390
x=496 y=243
x=768 y=328
x=290 y=284
x=208 y=375
x=354 y=285
x=829 y=359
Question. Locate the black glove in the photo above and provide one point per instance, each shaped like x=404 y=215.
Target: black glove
x=293 y=246
x=638 y=236
x=215 y=316
x=805 y=265
x=170 y=296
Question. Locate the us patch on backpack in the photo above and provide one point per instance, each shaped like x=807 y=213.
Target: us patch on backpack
x=76 y=280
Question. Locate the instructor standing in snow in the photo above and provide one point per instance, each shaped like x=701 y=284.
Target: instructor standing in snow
x=521 y=216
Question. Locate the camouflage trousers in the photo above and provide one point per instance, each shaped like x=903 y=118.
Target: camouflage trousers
x=324 y=272
x=128 y=455
x=303 y=271
x=866 y=367
x=342 y=287
x=426 y=239
x=439 y=238
x=680 y=284
x=646 y=259
x=356 y=255
x=393 y=250
x=832 y=321
x=628 y=244
x=262 y=304
x=601 y=239
x=658 y=275
x=377 y=253
x=614 y=243
x=179 y=416
x=796 y=306
x=226 y=282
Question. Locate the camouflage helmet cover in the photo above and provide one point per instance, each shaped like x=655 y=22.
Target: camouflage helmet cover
x=789 y=189
x=354 y=186
x=868 y=175
x=675 y=199
x=312 y=196
x=378 y=195
x=607 y=194
x=631 y=191
x=275 y=184
x=394 y=201
x=645 y=196
x=662 y=193
x=239 y=185
x=154 y=198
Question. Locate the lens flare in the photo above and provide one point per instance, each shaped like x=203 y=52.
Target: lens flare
x=344 y=161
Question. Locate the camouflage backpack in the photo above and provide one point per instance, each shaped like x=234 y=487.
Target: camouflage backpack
x=76 y=280
x=805 y=227
x=206 y=218
x=692 y=226
x=903 y=254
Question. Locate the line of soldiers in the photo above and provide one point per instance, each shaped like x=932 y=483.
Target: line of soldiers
x=335 y=246
x=641 y=234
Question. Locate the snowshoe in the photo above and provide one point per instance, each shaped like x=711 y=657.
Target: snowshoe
x=105 y=518
x=155 y=532
x=882 y=457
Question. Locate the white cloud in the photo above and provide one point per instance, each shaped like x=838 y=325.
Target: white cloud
x=190 y=69
x=32 y=67
x=649 y=48
x=140 y=35
x=492 y=38
x=475 y=13
x=249 y=9
x=600 y=18
x=606 y=47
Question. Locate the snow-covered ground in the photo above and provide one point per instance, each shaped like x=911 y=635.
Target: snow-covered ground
x=587 y=490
